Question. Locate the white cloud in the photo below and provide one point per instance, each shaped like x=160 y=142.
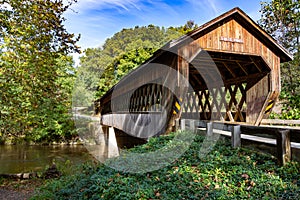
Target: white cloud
x=213 y=5
x=206 y=5
x=86 y=5
x=155 y=12
x=98 y=20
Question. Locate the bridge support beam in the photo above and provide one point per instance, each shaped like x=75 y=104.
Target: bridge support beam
x=112 y=145
x=113 y=150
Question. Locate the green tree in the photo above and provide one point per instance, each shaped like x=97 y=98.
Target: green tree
x=36 y=74
x=121 y=53
x=281 y=18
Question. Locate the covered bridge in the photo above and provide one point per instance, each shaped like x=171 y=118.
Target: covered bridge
x=226 y=70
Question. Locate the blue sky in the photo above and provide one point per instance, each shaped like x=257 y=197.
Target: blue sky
x=97 y=20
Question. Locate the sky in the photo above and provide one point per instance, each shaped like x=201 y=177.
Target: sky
x=97 y=20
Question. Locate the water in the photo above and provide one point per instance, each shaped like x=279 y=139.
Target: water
x=35 y=158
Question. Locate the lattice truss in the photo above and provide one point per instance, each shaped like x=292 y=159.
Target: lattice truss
x=147 y=98
x=225 y=103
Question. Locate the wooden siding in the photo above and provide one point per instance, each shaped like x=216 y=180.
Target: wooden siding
x=255 y=98
x=234 y=38
x=229 y=36
x=237 y=78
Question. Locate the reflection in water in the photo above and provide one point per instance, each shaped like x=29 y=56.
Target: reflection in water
x=34 y=158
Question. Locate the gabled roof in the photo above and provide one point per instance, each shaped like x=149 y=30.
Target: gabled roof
x=242 y=18
x=236 y=14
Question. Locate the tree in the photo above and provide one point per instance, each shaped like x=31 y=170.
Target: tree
x=281 y=19
x=36 y=74
x=121 y=53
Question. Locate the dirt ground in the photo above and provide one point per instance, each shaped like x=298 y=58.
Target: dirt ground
x=18 y=189
x=7 y=194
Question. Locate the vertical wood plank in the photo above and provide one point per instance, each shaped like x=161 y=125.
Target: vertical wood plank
x=256 y=97
x=177 y=124
x=192 y=125
x=209 y=129
x=283 y=146
x=236 y=136
x=182 y=124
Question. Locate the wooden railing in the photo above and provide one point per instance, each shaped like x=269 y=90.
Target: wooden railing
x=281 y=122
x=283 y=135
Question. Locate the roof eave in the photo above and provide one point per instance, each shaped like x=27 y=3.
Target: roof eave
x=284 y=57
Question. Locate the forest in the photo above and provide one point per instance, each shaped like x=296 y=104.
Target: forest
x=39 y=83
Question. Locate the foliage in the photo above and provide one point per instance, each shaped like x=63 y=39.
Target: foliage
x=225 y=173
x=103 y=67
x=281 y=18
x=36 y=75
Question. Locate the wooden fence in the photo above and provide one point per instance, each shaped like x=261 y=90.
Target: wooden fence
x=283 y=135
x=281 y=122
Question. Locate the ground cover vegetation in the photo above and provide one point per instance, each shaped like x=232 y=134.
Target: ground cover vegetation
x=224 y=173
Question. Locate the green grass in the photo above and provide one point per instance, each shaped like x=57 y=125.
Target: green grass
x=225 y=173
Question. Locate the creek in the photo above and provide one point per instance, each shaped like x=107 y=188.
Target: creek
x=36 y=158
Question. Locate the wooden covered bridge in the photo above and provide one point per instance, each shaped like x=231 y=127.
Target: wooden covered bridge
x=226 y=70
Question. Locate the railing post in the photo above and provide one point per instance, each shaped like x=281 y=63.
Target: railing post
x=209 y=128
x=192 y=125
x=182 y=124
x=236 y=136
x=177 y=124
x=283 y=146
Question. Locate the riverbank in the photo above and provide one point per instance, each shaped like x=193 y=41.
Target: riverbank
x=17 y=189
x=23 y=188
x=224 y=173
